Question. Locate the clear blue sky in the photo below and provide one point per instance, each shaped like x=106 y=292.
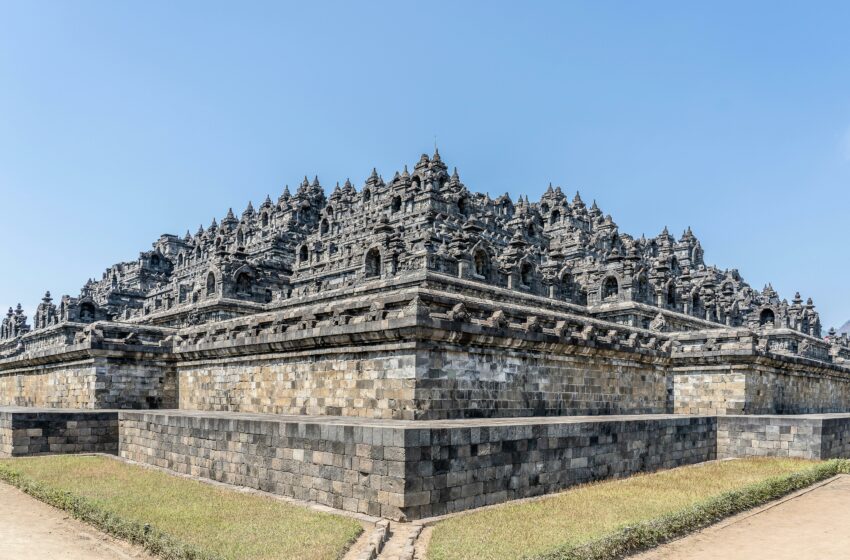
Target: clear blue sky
x=120 y=121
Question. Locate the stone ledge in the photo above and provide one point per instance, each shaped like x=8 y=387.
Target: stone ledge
x=408 y=470
x=29 y=431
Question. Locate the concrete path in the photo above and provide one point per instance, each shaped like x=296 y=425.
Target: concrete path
x=32 y=529
x=810 y=525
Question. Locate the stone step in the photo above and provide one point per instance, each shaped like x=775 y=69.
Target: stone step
x=400 y=545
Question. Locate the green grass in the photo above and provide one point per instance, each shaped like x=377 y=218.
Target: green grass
x=607 y=519
x=179 y=518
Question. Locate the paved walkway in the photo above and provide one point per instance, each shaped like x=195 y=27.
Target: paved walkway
x=32 y=529
x=810 y=525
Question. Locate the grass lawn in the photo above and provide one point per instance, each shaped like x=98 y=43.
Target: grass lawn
x=581 y=515
x=216 y=521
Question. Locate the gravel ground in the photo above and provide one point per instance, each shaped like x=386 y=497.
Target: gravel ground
x=810 y=525
x=32 y=529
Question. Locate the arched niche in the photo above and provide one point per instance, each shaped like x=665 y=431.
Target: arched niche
x=372 y=263
x=767 y=318
x=610 y=288
x=211 y=284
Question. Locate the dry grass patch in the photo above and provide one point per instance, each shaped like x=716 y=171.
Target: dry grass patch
x=214 y=522
x=581 y=515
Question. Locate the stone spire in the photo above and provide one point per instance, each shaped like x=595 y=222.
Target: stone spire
x=577 y=201
x=229 y=222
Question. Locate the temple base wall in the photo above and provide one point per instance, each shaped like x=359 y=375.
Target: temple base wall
x=94 y=383
x=411 y=470
x=808 y=437
x=342 y=382
x=26 y=432
x=481 y=382
x=406 y=470
x=404 y=382
x=775 y=387
x=55 y=386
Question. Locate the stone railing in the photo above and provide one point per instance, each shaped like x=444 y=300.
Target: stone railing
x=57 y=336
x=72 y=338
x=415 y=314
x=777 y=342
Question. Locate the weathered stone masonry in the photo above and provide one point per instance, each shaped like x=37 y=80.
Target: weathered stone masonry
x=411 y=470
x=815 y=436
x=412 y=348
x=112 y=366
x=509 y=309
x=29 y=431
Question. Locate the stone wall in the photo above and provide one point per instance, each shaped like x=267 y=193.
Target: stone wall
x=404 y=470
x=134 y=383
x=796 y=390
x=345 y=382
x=758 y=384
x=472 y=465
x=816 y=436
x=354 y=466
x=465 y=382
x=835 y=435
x=98 y=382
x=408 y=381
x=25 y=432
x=66 y=385
x=6 y=437
x=710 y=392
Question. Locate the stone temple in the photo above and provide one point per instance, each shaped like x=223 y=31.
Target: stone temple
x=411 y=348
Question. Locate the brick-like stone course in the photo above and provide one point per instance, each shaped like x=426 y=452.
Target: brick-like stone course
x=406 y=470
x=815 y=436
x=97 y=383
x=351 y=466
x=455 y=468
x=403 y=382
x=25 y=432
x=482 y=382
x=341 y=382
x=757 y=386
x=400 y=469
